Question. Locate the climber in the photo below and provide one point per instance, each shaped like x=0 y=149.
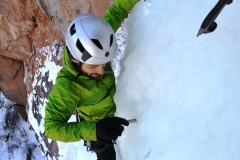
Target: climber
x=86 y=83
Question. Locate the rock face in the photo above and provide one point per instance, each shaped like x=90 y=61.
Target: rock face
x=11 y=80
x=20 y=25
x=18 y=20
x=26 y=27
x=62 y=12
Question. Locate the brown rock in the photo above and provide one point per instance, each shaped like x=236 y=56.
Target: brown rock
x=8 y=68
x=12 y=80
x=16 y=20
x=53 y=147
x=21 y=110
x=62 y=12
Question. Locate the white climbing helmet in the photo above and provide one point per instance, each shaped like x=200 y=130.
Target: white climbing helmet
x=91 y=40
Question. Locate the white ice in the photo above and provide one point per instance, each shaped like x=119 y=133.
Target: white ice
x=182 y=89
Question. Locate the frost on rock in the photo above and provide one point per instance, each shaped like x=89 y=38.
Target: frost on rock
x=44 y=79
x=17 y=139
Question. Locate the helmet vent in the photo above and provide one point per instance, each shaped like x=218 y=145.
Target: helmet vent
x=80 y=46
x=97 y=43
x=72 y=29
x=85 y=53
x=111 y=40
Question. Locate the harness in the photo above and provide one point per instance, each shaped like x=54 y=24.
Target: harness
x=98 y=146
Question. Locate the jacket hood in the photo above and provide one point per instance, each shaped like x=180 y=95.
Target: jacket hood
x=67 y=62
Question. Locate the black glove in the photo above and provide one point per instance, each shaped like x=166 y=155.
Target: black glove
x=110 y=128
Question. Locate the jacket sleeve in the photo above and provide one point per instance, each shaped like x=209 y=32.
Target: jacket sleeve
x=118 y=11
x=61 y=105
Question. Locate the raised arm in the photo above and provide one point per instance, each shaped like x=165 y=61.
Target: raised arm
x=118 y=11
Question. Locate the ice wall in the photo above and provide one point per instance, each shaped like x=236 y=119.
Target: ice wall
x=184 y=90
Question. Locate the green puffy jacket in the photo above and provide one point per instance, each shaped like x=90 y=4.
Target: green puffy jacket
x=92 y=99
